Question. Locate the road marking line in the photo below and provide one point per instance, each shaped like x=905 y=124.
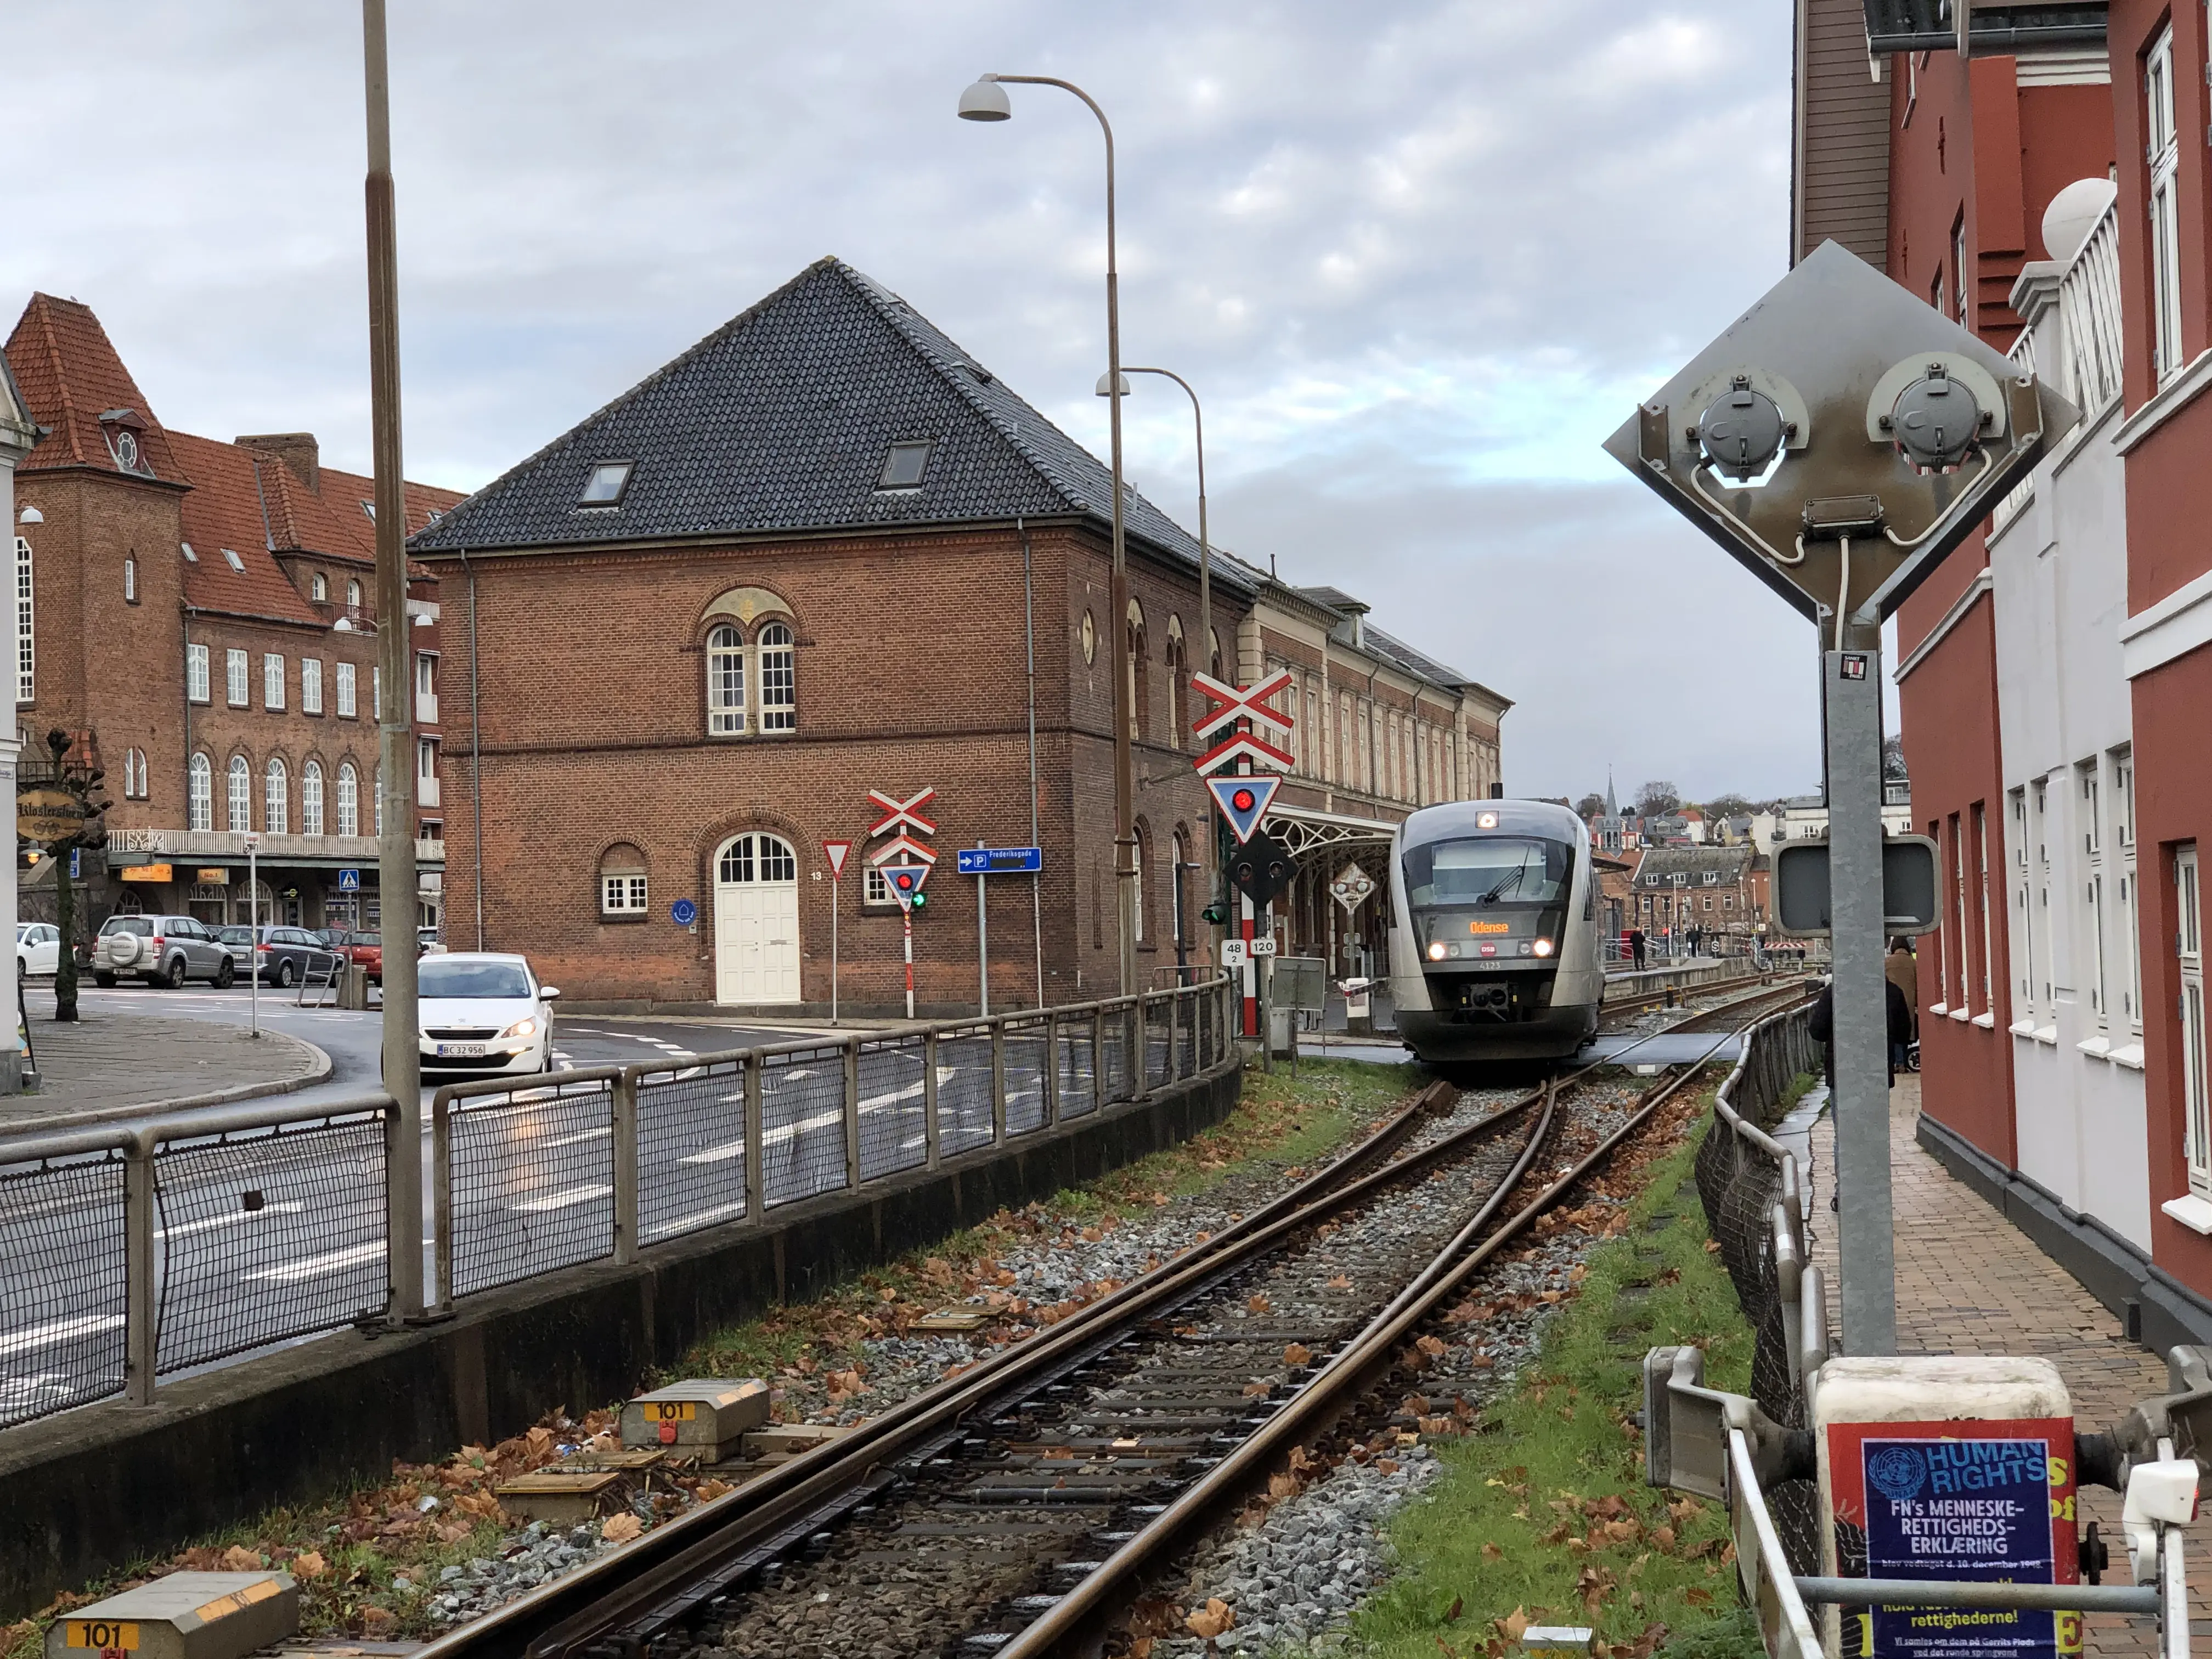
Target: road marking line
x=200 y=1226
x=696 y=1219
x=292 y=1272
x=61 y=1330
x=561 y=1200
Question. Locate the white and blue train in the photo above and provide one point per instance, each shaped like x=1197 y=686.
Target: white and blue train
x=1494 y=952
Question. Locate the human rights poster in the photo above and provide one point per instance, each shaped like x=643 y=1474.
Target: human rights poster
x=1981 y=1500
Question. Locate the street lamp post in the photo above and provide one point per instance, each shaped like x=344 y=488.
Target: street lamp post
x=395 y=852
x=987 y=101
x=1205 y=547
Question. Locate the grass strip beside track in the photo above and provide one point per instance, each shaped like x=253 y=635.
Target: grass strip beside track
x=1542 y=1517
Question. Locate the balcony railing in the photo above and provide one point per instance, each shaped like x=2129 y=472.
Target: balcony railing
x=426 y=792
x=426 y=708
x=2071 y=336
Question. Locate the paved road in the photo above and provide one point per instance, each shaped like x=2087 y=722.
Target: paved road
x=265 y=1238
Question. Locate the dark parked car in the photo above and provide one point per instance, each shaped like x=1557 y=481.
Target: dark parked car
x=288 y=955
x=159 y=950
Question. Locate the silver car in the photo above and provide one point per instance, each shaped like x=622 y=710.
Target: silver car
x=160 y=951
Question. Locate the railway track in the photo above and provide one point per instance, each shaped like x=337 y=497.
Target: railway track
x=1015 y=1510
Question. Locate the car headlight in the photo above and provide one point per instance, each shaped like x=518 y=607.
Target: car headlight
x=1543 y=947
x=1437 y=951
x=522 y=1028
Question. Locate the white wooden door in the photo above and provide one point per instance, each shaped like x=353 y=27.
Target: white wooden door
x=756 y=922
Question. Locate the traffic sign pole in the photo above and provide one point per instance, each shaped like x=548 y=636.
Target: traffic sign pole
x=1251 y=980
x=834 y=851
x=983 y=944
x=906 y=918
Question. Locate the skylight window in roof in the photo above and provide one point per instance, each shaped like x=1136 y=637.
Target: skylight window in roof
x=904 y=465
x=234 y=561
x=606 y=485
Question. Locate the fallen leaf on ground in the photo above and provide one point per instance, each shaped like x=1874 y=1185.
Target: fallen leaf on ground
x=1431 y=1345
x=1341 y=1282
x=310 y=1565
x=1257 y=1305
x=709 y=1490
x=238 y=1559
x=1697 y=1596
x=1297 y=1354
x=1453 y=1611
x=375 y=1617
x=620 y=1529
x=1514 y=1625
x=1212 y=1619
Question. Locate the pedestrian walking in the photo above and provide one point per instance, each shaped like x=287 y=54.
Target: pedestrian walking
x=1820 y=1026
x=1902 y=968
x=1637 y=945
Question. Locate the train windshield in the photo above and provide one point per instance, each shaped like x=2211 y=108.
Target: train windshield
x=1491 y=870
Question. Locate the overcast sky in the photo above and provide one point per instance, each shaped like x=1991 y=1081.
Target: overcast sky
x=1419 y=258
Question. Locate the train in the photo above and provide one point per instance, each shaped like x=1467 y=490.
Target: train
x=1494 y=947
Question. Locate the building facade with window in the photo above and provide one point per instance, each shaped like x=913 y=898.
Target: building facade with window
x=200 y=616
x=1718 y=891
x=1379 y=730
x=2054 y=677
x=822 y=552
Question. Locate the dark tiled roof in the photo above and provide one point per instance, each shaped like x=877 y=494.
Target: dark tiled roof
x=1694 y=861
x=780 y=420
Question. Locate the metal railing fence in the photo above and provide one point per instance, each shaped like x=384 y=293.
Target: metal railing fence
x=1753 y=1193
x=135 y=1250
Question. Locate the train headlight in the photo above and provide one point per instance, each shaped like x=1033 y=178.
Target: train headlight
x=1437 y=951
x=1543 y=947
x=1485 y=820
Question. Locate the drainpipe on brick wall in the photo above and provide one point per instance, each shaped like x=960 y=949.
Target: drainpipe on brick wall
x=475 y=752
x=1028 y=632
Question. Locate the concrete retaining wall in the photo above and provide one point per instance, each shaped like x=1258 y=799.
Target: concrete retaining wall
x=94 y=1490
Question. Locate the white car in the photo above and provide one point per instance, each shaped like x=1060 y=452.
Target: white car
x=484 y=1011
x=38 y=948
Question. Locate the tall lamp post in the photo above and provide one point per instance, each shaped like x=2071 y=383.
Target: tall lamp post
x=987 y=101
x=395 y=851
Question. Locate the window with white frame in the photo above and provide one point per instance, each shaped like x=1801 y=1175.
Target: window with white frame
x=2047 y=929
x=726 y=682
x=196 y=672
x=2189 y=947
x=1958 y=999
x=235 y=684
x=2089 y=796
x=272 y=680
x=378 y=788
x=199 y=794
x=1982 y=902
x=345 y=677
x=2023 y=911
x=348 y=799
x=874 y=889
x=242 y=793
x=310 y=798
x=376 y=693
x=2123 y=837
x=311 y=686
x=623 y=884
x=1959 y=270
x=275 y=799
x=2163 y=149
x=27 y=656
x=778 y=679
x=352 y=594
x=130 y=580
x=426 y=758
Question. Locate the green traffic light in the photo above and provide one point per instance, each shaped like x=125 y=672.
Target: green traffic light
x=1214 y=916
x=920 y=900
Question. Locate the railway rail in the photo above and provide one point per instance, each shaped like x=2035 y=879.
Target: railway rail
x=1015 y=1509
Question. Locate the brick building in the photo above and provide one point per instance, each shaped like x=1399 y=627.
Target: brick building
x=1717 y=890
x=1381 y=730
x=815 y=555
x=202 y=615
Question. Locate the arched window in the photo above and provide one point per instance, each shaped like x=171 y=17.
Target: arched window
x=623 y=884
x=778 y=680
x=1140 y=682
x=348 y=799
x=352 y=594
x=242 y=793
x=726 y=682
x=276 y=804
x=757 y=859
x=1137 y=859
x=310 y=798
x=200 y=796
x=1178 y=686
x=1177 y=856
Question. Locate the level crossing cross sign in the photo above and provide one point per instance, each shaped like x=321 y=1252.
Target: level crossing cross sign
x=1232 y=704
x=902 y=814
x=903 y=847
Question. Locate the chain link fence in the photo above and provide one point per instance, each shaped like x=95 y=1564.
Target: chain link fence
x=62 y=1286
x=267 y=1235
x=527 y=1180
x=1751 y=1188
x=133 y=1250
x=691 y=1165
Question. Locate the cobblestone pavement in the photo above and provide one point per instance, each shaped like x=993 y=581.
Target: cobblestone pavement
x=1968 y=1281
x=107 y=1065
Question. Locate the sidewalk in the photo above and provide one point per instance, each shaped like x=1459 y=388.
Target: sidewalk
x=104 y=1068
x=1968 y=1281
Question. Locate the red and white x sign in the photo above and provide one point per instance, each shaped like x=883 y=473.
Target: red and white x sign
x=902 y=814
x=1233 y=702
x=1242 y=745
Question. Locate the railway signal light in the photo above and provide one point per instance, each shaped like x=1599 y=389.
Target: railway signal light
x=905 y=883
x=1261 y=869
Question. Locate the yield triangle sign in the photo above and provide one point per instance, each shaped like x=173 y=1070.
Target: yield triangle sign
x=905 y=882
x=1244 y=801
x=834 y=851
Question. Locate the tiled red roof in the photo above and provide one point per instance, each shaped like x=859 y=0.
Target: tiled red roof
x=250 y=501
x=70 y=375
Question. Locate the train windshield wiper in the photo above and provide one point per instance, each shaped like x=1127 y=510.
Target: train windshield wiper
x=1510 y=878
